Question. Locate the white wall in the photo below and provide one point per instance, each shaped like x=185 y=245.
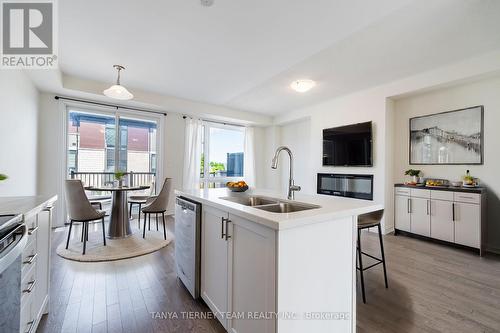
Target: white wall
x=484 y=92
x=267 y=140
x=305 y=139
x=297 y=136
x=173 y=164
x=375 y=104
x=18 y=133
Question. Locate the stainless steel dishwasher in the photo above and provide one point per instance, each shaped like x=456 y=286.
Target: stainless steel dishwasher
x=13 y=239
x=187 y=243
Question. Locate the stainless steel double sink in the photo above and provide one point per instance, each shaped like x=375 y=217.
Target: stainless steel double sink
x=272 y=205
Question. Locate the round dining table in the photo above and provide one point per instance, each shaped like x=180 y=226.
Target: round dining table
x=119 y=223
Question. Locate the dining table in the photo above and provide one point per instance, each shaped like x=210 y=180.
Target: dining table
x=119 y=223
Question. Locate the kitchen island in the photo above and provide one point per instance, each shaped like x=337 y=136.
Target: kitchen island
x=273 y=265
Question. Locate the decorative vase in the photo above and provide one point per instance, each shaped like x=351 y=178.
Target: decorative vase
x=120 y=182
x=415 y=179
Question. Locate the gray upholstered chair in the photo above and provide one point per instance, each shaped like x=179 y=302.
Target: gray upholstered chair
x=81 y=210
x=158 y=205
x=141 y=200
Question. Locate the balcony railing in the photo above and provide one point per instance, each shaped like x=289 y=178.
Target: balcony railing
x=108 y=178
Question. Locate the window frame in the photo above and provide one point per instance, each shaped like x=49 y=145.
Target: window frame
x=206 y=179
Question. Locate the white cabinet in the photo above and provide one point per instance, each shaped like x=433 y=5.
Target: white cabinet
x=442 y=226
x=402 y=212
x=214 y=262
x=420 y=218
x=451 y=216
x=252 y=282
x=35 y=273
x=466 y=217
x=237 y=270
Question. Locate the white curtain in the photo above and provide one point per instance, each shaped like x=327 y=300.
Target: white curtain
x=249 y=157
x=192 y=154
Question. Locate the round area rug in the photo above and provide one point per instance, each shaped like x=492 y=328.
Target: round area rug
x=115 y=249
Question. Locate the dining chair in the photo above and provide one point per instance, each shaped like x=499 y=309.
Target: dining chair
x=158 y=205
x=81 y=210
x=141 y=200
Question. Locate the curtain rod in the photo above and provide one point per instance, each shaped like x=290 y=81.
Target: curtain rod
x=109 y=105
x=215 y=122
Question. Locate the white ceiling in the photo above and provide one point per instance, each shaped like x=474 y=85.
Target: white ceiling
x=244 y=54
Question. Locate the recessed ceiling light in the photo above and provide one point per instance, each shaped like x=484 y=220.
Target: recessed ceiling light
x=117 y=91
x=302 y=85
x=207 y=3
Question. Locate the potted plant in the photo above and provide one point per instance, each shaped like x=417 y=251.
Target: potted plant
x=3 y=177
x=414 y=174
x=119 y=177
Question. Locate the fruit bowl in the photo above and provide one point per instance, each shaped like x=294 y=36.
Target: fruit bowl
x=240 y=186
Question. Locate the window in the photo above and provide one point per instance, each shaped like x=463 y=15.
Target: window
x=95 y=147
x=223 y=154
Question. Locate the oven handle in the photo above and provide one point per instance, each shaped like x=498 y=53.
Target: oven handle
x=15 y=249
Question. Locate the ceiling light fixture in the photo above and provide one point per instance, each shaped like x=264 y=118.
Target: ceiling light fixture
x=117 y=91
x=302 y=85
x=207 y=3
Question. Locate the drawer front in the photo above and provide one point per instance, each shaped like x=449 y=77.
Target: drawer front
x=402 y=191
x=442 y=195
x=419 y=193
x=27 y=318
x=467 y=197
x=28 y=285
x=29 y=258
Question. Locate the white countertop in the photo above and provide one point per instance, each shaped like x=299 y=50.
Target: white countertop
x=24 y=205
x=331 y=208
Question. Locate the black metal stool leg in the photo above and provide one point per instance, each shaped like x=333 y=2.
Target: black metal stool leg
x=164 y=230
x=103 y=232
x=157 y=222
x=130 y=214
x=144 y=227
x=83 y=231
x=149 y=222
x=139 y=216
x=383 y=254
x=69 y=233
x=85 y=228
x=361 y=267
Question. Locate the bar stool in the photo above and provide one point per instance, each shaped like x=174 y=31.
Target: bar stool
x=366 y=221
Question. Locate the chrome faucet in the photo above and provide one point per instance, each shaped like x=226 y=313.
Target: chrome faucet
x=291 y=186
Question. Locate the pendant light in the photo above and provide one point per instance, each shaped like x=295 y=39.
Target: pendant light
x=118 y=91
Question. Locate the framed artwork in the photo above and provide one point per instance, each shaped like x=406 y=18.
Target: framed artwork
x=452 y=137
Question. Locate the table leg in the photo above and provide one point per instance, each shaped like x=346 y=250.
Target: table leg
x=119 y=223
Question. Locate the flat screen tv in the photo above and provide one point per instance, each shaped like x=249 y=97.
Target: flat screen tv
x=349 y=145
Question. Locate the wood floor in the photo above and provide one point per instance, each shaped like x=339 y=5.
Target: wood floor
x=432 y=288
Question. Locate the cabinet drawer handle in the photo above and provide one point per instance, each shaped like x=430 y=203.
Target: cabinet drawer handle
x=227 y=233
x=32 y=326
x=428 y=209
x=465 y=197
x=32 y=230
x=31 y=286
x=31 y=259
x=453 y=211
x=222 y=228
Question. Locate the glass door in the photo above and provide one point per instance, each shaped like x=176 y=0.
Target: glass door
x=95 y=151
